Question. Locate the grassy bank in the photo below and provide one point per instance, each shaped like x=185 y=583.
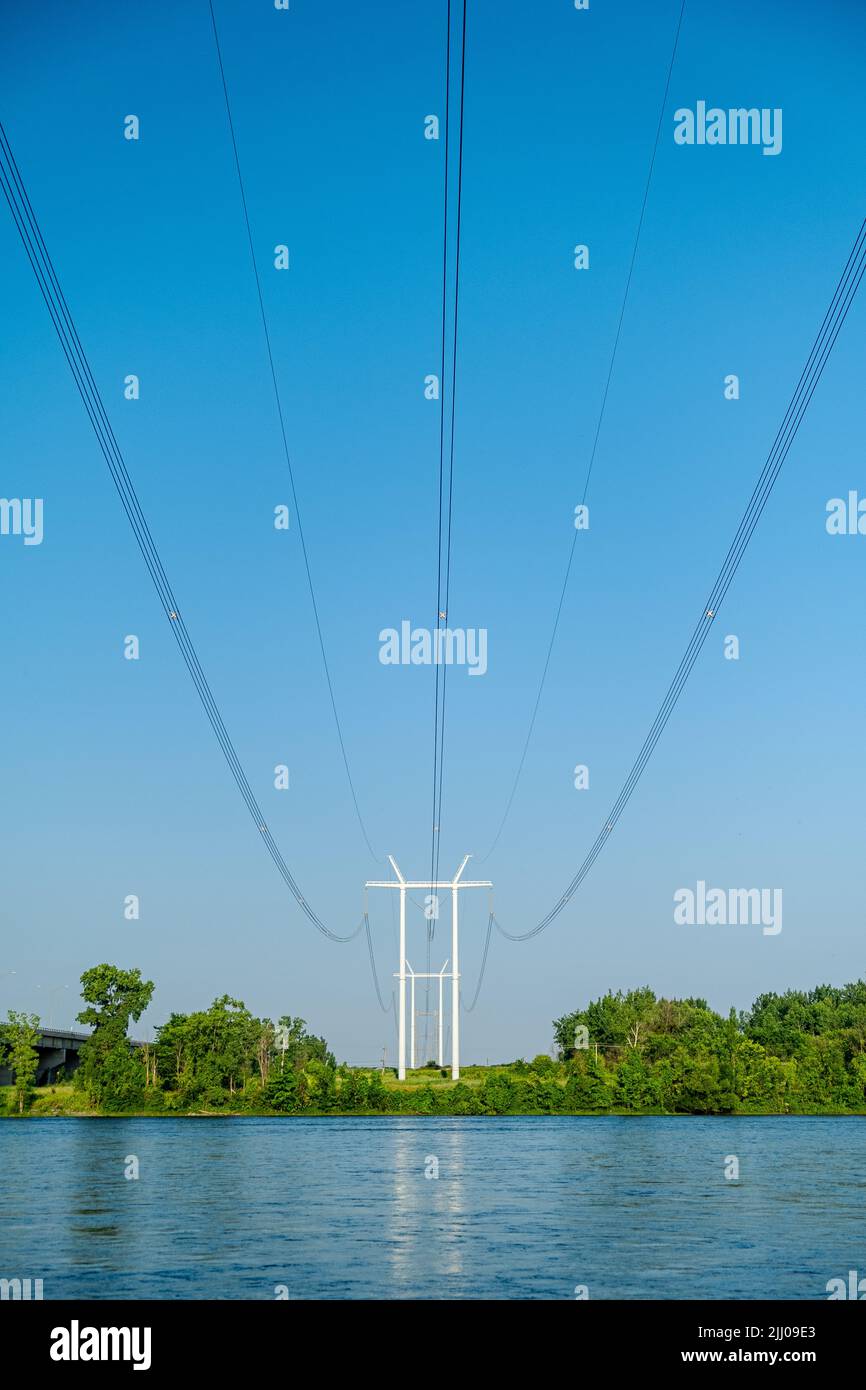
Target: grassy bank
x=469 y=1096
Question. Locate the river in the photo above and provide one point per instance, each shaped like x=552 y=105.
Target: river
x=535 y=1207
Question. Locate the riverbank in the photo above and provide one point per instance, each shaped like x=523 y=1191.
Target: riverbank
x=68 y=1102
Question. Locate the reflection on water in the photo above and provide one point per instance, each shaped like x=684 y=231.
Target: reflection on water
x=512 y=1208
x=428 y=1216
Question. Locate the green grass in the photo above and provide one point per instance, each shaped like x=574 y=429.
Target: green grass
x=61 y=1099
x=432 y=1076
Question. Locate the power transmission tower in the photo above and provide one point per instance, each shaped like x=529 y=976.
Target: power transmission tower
x=402 y=885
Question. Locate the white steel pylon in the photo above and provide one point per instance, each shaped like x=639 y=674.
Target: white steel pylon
x=425 y=975
x=402 y=885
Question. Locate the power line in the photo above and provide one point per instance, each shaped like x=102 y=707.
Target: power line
x=443 y=592
x=282 y=424
x=386 y=1008
x=598 y=426
x=433 y=822
x=454 y=351
x=49 y=285
x=467 y=1008
x=831 y=326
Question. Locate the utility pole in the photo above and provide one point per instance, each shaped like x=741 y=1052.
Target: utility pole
x=401 y=885
x=412 y=1023
x=401 y=1011
x=455 y=985
x=441 y=1054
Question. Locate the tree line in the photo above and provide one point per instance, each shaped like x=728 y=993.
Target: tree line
x=800 y=1052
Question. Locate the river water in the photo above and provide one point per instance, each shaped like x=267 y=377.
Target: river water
x=534 y=1207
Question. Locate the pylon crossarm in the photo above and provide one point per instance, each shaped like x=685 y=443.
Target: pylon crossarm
x=427 y=883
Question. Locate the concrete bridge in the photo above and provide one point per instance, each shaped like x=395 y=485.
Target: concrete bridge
x=57 y=1047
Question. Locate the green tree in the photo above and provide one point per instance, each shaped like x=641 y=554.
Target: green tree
x=635 y=1085
x=589 y=1083
x=113 y=996
x=295 y=1046
x=18 y=1047
x=378 y=1096
x=108 y=1072
x=612 y=1021
x=497 y=1093
x=281 y=1092
x=729 y=1050
x=463 y=1100
x=353 y=1089
x=212 y=1053
x=171 y=1050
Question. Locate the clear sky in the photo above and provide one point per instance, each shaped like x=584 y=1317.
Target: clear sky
x=113 y=783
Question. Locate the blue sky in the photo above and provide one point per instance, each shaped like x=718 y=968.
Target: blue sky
x=113 y=782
